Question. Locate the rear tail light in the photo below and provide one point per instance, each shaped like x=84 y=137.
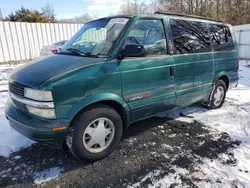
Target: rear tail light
x=54 y=51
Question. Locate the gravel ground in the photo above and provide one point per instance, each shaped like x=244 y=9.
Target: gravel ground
x=147 y=145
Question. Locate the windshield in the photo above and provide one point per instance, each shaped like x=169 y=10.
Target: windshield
x=97 y=37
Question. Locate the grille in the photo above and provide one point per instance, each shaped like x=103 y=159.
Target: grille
x=16 y=89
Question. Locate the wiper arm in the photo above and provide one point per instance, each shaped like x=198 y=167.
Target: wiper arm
x=95 y=55
x=76 y=51
x=86 y=54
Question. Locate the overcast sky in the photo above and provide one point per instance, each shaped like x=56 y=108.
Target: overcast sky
x=65 y=8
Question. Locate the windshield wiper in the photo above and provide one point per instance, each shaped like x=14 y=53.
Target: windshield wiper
x=76 y=51
x=95 y=55
x=85 y=54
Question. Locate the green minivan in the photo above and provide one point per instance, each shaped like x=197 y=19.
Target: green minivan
x=118 y=70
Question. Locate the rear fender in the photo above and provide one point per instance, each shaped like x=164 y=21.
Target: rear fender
x=220 y=74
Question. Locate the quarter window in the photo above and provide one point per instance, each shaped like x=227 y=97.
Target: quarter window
x=150 y=34
x=190 y=36
x=221 y=38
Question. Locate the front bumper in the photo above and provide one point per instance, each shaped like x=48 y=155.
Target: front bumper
x=35 y=128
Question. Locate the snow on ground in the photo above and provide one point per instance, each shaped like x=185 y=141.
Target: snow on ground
x=10 y=140
x=234 y=119
x=244 y=73
x=167 y=181
x=47 y=175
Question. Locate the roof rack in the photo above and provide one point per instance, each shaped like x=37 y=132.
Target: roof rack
x=185 y=15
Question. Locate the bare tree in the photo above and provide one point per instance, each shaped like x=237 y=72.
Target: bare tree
x=84 y=18
x=134 y=7
x=231 y=11
x=49 y=12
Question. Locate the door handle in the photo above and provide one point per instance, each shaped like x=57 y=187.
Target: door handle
x=171 y=71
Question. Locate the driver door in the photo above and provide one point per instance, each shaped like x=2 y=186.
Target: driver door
x=147 y=84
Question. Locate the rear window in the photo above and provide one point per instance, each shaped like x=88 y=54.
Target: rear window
x=190 y=36
x=221 y=38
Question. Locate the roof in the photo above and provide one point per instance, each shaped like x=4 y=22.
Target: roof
x=186 y=15
x=160 y=14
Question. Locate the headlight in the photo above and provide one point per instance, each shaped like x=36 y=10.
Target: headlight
x=38 y=95
x=44 y=113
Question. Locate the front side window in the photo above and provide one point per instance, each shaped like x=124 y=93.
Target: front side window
x=190 y=37
x=221 y=38
x=97 y=37
x=149 y=34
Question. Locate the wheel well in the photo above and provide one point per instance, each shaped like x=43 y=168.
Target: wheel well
x=113 y=104
x=225 y=79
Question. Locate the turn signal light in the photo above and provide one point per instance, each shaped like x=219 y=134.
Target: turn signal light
x=59 y=128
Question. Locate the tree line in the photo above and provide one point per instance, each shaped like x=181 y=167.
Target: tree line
x=235 y=12
x=46 y=15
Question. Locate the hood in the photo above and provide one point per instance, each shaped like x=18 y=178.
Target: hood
x=36 y=73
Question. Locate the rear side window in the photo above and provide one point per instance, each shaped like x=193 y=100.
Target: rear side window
x=190 y=36
x=150 y=34
x=221 y=37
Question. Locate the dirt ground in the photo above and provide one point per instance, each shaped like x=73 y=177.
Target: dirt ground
x=156 y=143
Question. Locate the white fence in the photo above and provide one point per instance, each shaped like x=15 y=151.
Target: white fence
x=242 y=33
x=23 y=41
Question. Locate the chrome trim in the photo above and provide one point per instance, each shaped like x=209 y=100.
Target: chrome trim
x=36 y=104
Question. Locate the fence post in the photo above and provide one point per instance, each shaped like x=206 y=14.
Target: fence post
x=239 y=44
x=33 y=40
x=29 y=43
x=25 y=50
x=19 y=48
x=4 y=59
x=42 y=35
x=7 y=44
x=12 y=41
x=38 y=41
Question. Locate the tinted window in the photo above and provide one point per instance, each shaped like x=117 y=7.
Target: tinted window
x=221 y=38
x=190 y=37
x=150 y=34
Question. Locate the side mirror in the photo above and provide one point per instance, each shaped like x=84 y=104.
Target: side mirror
x=133 y=51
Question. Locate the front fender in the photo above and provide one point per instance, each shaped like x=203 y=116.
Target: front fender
x=75 y=108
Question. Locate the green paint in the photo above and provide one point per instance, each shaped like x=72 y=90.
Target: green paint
x=142 y=86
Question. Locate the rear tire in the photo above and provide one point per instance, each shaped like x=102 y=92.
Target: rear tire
x=217 y=96
x=95 y=133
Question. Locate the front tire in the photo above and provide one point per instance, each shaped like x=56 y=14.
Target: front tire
x=217 y=96
x=95 y=133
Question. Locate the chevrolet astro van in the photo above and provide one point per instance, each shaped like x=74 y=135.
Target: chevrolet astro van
x=118 y=70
